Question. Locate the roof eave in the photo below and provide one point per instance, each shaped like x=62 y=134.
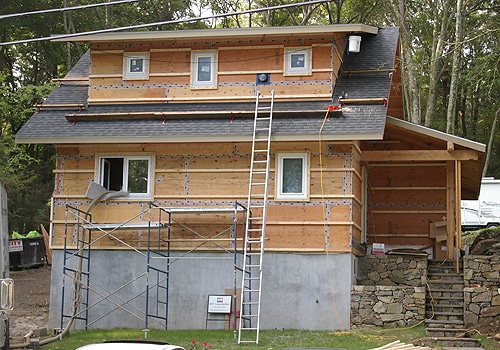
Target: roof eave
x=219 y=33
x=194 y=139
x=436 y=134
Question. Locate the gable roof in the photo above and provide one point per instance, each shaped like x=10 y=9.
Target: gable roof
x=63 y=120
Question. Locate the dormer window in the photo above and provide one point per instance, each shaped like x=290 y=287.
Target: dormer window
x=298 y=61
x=136 y=65
x=204 y=69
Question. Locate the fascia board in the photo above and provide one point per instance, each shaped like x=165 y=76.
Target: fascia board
x=222 y=33
x=436 y=134
x=195 y=139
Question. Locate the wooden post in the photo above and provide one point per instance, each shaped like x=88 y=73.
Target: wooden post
x=450 y=207
x=458 y=211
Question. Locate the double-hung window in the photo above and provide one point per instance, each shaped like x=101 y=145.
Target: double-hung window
x=136 y=65
x=128 y=173
x=298 y=61
x=292 y=176
x=204 y=69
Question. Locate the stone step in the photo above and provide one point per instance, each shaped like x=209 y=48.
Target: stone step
x=446 y=290
x=448 y=323
x=458 y=312
x=446 y=332
x=440 y=297
x=445 y=279
x=444 y=306
x=457 y=342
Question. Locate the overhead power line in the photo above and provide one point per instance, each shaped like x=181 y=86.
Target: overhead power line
x=154 y=24
x=62 y=9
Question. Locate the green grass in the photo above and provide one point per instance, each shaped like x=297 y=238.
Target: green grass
x=269 y=340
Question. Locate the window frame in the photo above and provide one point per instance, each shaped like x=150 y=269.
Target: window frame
x=127 y=63
x=101 y=160
x=196 y=83
x=304 y=194
x=289 y=69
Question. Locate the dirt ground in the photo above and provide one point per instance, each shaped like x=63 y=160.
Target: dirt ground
x=31 y=301
x=32 y=297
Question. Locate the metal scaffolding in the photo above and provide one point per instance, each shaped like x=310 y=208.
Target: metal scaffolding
x=79 y=244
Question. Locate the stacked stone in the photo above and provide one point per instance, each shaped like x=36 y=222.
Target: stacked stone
x=392 y=270
x=482 y=270
x=480 y=302
x=387 y=306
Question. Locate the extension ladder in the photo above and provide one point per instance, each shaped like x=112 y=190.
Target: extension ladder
x=255 y=228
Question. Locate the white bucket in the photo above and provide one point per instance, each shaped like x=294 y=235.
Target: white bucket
x=354 y=43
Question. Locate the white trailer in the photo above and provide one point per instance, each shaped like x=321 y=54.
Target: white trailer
x=485 y=211
x=6 y=284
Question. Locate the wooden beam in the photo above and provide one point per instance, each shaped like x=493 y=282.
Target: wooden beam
x=418 y=155
x=458 y=212
x=450 y=207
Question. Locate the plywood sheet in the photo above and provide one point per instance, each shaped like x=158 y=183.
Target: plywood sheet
x=127 y=94
x=250 y=60
x=170 y=62
x=111 y=63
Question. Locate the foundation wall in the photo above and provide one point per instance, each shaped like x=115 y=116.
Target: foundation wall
x=314 y=290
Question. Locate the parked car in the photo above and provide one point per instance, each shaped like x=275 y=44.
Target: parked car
x=131 y=345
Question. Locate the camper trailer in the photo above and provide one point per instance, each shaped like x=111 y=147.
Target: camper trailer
x=485 y=211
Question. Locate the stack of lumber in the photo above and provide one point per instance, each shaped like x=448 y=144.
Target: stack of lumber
x=397 y=345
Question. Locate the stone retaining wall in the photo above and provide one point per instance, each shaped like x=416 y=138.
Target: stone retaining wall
x=480 y=302
x=387 y=305
x=482 y=287
x=392 y=270
x=481 y=270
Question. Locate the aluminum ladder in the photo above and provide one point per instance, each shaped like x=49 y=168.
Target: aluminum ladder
x=255 y=228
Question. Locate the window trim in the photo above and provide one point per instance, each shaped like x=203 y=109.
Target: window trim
x=304 y=195
x=127 y=59
x=126 y=159
x=195 y=82
x=306 y=70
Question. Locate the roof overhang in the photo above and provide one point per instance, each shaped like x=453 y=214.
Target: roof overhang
x=193 y=139
x=476 y=146
x=222 y=33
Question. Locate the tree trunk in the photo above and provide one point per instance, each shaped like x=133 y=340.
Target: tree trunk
x=455 y=71
x=437 y=52
x=490 y=143
x=398 y=7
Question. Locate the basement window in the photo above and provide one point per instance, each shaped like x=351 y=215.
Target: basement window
x=204 y=70
x=136 y=65
x=292 y=179
x=298 y=61
x=130 y=173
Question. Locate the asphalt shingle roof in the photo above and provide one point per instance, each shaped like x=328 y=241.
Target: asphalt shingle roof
x=293 y=120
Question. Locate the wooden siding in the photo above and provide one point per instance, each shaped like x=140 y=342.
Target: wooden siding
x=238 y=64
x=212 y=175
x=403 y=200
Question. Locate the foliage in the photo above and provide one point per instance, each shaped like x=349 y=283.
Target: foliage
x=269 y=339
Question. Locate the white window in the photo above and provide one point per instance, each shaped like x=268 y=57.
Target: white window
x=136 y=65
x=298 y=61
x=292 y=176
x=129 y=173
x=204 y=69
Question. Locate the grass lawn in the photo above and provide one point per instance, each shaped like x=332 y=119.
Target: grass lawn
x=269 y=340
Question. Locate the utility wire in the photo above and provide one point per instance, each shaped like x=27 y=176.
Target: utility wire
x=62 y=9
x=182 y=20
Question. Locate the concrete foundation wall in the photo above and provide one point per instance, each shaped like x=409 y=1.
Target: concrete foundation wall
x=300 y=291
